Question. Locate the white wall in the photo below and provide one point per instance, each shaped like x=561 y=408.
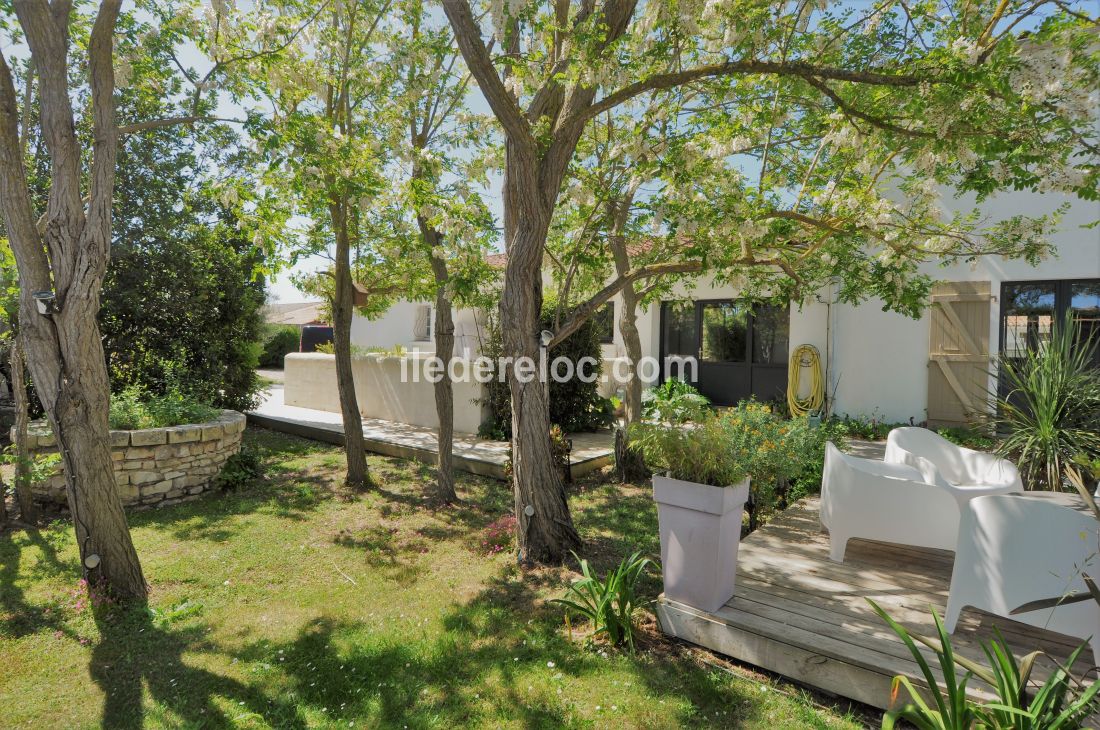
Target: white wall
x=396 y=327
x=878 y=361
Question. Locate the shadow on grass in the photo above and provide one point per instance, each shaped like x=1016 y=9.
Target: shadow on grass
x=500 y=658
x=135 y=653
x=18 y=617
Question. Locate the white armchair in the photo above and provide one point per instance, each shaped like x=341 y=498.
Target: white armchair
x=972 y=473
x=875 y=500
x=1014 y=549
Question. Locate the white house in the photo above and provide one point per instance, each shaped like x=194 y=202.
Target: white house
x=876 y=363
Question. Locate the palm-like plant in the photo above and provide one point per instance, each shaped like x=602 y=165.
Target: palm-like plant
x=1060 y=702
x=610 y=603
x=1050 y=409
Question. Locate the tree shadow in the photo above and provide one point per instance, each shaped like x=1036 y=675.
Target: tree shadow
x=136 y=652
x=18 y=617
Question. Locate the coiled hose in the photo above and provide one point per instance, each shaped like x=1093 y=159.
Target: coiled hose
x=805 y=356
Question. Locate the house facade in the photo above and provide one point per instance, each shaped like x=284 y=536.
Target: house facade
x=881 y=364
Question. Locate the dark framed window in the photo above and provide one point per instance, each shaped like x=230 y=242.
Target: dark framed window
x=605 y=323
x=1031 y=309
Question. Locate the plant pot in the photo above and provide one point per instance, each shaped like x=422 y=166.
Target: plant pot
x=700 y=529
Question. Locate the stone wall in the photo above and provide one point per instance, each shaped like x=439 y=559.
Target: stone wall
x=155 y=466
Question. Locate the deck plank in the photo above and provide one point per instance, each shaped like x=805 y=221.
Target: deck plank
x=797 y=613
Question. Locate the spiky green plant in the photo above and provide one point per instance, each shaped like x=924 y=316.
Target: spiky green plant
x=609 y=604
x=1050 y=408
x=1059 y=703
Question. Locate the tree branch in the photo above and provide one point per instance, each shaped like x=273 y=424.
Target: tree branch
x=875 y=77
x=869 y=118
x=582 y=313
x=468 y=36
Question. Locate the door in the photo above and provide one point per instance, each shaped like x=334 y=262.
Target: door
x=958 y=353
x=740 y=350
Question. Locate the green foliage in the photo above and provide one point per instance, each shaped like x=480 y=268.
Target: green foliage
x=1022 y=703
x=808 y=480
x=1050 y=410
x=609 y=604
x=240 y=469
x=575 y=406
x=968 y=437
x=675 y=401
x=278 y=341
x=134 y=409
x=868 y=428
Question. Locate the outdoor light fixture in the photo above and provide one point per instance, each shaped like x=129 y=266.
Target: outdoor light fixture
x=546 y=337
x=46 y=302
x=91 y=562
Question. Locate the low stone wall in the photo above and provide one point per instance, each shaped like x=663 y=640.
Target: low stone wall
x=154 y=466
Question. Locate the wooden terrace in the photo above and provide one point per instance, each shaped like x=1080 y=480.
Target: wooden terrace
x=798 y=614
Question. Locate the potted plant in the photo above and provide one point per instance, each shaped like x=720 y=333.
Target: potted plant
x=700 y=499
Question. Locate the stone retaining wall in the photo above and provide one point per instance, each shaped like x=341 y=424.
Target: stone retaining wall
x=155 y=466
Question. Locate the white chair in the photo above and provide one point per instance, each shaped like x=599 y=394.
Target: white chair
x=1014 y=549
x=971 y=472
x=874 y=500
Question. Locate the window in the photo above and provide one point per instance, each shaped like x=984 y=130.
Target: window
x=724 y=331
x=771 y=334
x=1030 y=309
x=605 y=323
x=422 y=326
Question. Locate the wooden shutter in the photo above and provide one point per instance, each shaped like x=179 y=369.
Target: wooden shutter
x=958 y=353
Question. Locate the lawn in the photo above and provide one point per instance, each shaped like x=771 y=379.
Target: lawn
x=292 y=603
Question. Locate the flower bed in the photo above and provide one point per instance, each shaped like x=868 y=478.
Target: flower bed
x=153 y=466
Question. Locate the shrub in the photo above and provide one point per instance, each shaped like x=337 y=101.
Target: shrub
x=241 y=468
x=609 y=604
x=278 y=342
x=674 y=401
x=134 y=409
x=967 y=437
x=576 y=406
x=723 y=448
x=1050 y=410
x=1061 y=701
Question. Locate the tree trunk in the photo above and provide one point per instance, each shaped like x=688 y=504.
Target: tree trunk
x=444 y=390
x=545 y=529
x=63 y=348
x=628 y=327
x=343 y=307
x=23 y=497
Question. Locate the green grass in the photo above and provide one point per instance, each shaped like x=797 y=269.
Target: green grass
x=290 y=603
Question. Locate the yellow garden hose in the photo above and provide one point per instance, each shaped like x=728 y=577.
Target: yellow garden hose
x=805 y=356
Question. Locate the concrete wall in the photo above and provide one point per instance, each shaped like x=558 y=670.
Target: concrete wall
x=154 y=466
x=310 y=382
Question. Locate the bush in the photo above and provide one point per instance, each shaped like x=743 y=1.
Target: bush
x=241 y=468
x=723 y=448
x=1050 y=412
x=674 y=401
x=575 y=406
x=184 y=294
x=279 y=341
x=608 y=604
x=134 y=409
x=1062 y=701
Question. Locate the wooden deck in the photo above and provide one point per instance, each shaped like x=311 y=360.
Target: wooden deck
x=801 y=615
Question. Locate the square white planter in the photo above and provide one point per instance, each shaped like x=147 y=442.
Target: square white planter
x=700 y=529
